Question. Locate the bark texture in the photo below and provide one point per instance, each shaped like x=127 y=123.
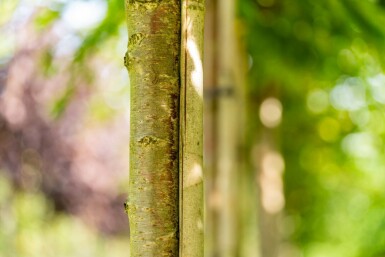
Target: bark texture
x=152 y=60
x=191 y=130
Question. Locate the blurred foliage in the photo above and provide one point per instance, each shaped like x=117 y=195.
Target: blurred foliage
x=63 y=128
x=30 y=227
x=46 y=17
x=324 y=60
x=106 y=29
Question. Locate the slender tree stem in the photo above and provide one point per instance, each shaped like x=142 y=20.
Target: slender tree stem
x=191 y=130
x=152 y=61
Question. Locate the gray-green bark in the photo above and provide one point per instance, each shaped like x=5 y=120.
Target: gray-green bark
x=191 y=130
x=152 y=60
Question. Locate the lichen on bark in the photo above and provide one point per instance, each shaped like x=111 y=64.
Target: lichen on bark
x=152 y=60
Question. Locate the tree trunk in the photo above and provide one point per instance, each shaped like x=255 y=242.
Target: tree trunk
x=191 y=130
x=268 y=165
x=227 y=132
x=152 y=60
x=209 y=115
x=222 y=124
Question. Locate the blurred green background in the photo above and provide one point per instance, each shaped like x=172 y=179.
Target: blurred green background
x=323 y=61
x=64 y=128
x=315 y=86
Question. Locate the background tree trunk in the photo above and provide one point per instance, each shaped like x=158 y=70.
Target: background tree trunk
x=210 y=64
x=227 y=133
x=221 y=139
x=152 y=60
x=267 y=164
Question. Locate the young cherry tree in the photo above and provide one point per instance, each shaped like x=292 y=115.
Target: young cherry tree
x=165 y=202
